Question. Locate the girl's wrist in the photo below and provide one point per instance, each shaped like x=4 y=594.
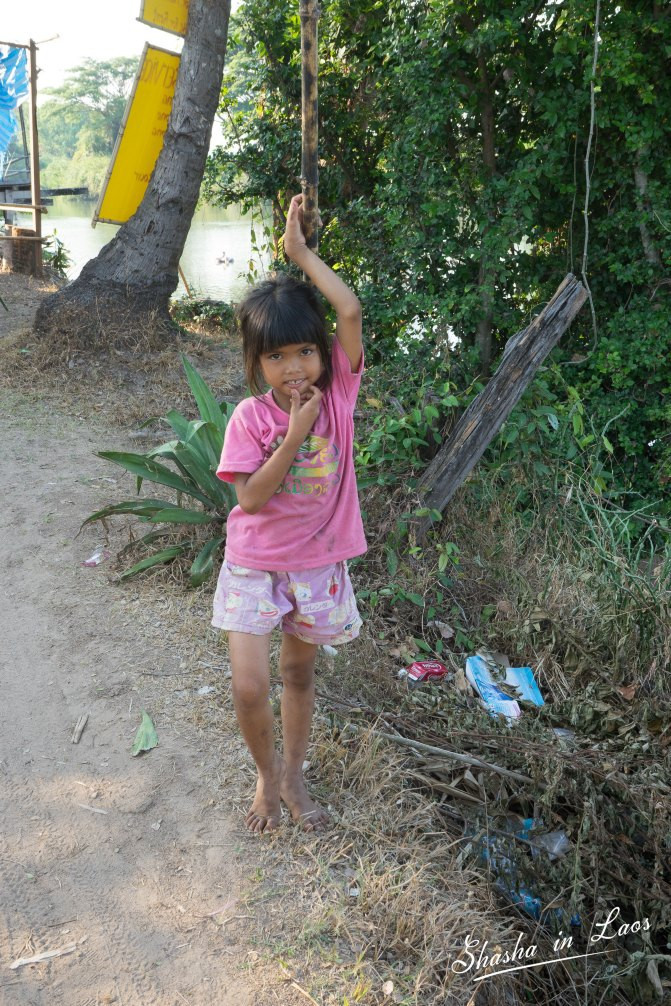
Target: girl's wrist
x=297 y=253
x=292 y=441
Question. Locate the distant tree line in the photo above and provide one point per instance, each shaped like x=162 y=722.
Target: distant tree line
x=79 y=123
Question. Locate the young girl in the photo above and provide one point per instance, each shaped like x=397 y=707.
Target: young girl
x=289 y=454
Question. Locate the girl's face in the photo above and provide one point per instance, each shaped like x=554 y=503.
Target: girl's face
x=297 y=365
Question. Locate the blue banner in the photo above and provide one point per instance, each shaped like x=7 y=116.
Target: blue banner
x=13 y=89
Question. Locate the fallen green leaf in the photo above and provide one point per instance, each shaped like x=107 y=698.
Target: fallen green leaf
x=146 y=737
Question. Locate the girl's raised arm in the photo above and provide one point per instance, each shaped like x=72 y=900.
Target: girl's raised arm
x=337 y=293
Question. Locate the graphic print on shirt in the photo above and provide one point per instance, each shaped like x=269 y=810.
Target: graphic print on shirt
x=315 y=467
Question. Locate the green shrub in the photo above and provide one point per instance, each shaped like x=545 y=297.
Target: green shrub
x=55 y=255
x=412 y=404
x=195 y=457
x=198 y=309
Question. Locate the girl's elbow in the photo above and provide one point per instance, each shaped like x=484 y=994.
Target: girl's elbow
x=353 y=310
x=245 y=496
x=249 y=506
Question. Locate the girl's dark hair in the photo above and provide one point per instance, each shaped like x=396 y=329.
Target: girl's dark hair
x=277 y=312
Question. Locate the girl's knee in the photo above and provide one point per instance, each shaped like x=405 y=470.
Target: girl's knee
x=250 y=691
x=249 y=666
x=298 y=673
x=297 y=661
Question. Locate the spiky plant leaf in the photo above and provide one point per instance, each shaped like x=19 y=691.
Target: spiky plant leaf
x=180 y=515
x=203 y=565
x=141 y=508
x=205 y=400
x=147 y=468
x=165 y=555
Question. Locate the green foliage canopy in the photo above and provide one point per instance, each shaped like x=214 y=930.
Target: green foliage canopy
x=452 y=182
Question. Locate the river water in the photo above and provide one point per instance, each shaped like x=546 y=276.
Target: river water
x=215 y=234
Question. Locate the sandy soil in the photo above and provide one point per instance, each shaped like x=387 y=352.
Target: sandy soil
x=133 y=871
x=122 y=858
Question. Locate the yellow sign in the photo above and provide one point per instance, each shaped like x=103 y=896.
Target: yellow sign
x=171 y=15
x=141 y=136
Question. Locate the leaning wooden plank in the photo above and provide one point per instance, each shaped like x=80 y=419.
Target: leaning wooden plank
x=523 y=355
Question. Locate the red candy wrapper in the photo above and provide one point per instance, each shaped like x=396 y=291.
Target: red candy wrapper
x=424 y=670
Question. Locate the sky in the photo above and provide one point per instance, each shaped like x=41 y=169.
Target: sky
x=84 y=28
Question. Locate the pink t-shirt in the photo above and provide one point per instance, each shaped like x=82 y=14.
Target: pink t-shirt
x=313 y=519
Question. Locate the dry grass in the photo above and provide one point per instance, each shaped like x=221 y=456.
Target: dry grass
x=22 y=295
x=90 y=317
x=377 y=898
x=571 y=594
x=126 y=385
x=576 y=587
x=391 y=842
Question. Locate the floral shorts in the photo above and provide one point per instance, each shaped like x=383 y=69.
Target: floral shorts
x=315 y=605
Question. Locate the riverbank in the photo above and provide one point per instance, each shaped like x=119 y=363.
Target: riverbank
x=216 y=255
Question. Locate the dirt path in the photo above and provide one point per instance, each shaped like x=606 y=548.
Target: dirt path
x=142 y=865
x=121 y=857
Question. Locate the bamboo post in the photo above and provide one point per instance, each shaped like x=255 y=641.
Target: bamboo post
x=309 y=15
x=35 y=160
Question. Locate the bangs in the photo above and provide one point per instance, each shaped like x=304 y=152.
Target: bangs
x=278 y=312
x=288 y=323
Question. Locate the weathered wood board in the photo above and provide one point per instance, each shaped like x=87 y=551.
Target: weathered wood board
x=523 y=355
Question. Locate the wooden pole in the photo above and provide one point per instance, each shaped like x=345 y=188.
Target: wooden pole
x=183 y=279
x=309 y=15
x=36 y=199
x=522 y=356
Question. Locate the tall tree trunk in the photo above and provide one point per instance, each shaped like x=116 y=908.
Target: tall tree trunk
x=125 y=289
x=650 y=250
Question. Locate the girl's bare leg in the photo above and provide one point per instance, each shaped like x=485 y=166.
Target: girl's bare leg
x=297 y=667
x=251 y=688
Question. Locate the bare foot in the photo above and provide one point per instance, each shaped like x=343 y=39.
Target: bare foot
x=265 y=812
x=303 y=808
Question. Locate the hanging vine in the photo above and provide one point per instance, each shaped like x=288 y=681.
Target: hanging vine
x=592 y=123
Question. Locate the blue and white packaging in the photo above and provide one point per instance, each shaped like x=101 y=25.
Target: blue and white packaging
x=493 y=697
